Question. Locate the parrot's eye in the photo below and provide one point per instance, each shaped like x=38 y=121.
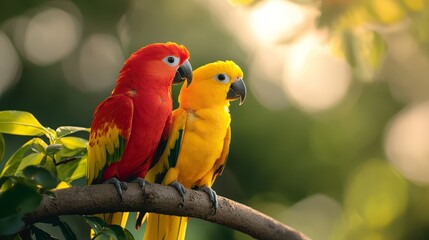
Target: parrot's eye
x=171 y=60
x=221 y=77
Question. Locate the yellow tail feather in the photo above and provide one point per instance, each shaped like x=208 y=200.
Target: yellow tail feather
x=165 y=227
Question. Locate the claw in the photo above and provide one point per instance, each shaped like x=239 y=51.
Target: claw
x=140 y=220
x=180 y=188
x=141 y=182
x=212 y=196
x=118 y=185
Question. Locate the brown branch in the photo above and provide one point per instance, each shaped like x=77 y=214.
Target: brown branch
x=162 y=199
x=67 y=160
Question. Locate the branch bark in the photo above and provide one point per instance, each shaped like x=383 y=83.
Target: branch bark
x=156 y=198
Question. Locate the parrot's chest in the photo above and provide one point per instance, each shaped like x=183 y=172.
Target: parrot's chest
x=202 y=144
x=148 y=124
x=208 y=123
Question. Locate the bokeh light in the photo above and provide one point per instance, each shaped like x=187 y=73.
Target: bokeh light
x=375 y=196
x=240 y=2
x=403 y=46
x=388 y=11
x=97 y=65
x=10 y=63
x=50 y=36
x=123 y=31
x=315 y=215
x=406 y=68
x=314 y=77
x=415 y=5
x=327 y=85
x=407 y=142
x=277 y=20
x=265 y=77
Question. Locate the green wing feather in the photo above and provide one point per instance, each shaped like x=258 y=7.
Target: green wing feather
x=110 y=131
x=170 y=155
x=221 y=162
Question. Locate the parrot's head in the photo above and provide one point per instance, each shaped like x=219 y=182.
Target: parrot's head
x=155 y=65
x=214 y=84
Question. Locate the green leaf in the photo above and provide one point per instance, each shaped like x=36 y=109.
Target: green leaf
x=377 y=50
x=15 y=236
x=364 y=52
x=19 y=199
x=128 y=234
x=11 y=224
x=40 y=234
x=11 y=180
x=49 y=164
x=3 y=180
x=95 y=223
x=349 y=47
x=66 y=154
x=2 y=146
x=21 y=158
x=14 y=203
x=38 y=148
x=67 y=130
x=21 y=123
x=73 y=147
x=64 y=227
x=66 y=230
x=121 y=233
x=73 y=170
x=105 y=234
x=53 y=148
x=73 y=143
x=41 y=175
x=105 y=231
x=29 y=160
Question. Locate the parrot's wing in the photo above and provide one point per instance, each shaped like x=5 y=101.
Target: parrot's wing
x=170 y=154
x=163 y=141
x=110 y=130
x=221 y=161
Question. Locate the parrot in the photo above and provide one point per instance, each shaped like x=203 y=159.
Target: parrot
x=198 y=142
x=133 y=122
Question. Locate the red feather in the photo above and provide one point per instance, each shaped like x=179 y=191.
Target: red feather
x=138 y=111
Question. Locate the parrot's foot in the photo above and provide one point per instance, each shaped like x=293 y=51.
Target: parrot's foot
x=180 y=188
x=212 y=196
x=140 y=215
x=118 y=185
x=141 y=182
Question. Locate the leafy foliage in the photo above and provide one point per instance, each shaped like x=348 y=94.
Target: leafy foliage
x=106 y=231
x=36 y=168
x=357 y=25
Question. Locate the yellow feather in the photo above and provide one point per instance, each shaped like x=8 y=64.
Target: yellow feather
x=203 y=118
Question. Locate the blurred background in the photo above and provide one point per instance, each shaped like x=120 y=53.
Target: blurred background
x=334 y=137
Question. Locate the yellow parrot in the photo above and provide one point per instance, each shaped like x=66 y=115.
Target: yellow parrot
x=198 y=143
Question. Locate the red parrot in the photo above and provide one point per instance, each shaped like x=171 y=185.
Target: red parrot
x=130 y=125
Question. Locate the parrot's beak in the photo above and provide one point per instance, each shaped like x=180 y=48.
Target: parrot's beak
x=237 y=90
x=184 y=72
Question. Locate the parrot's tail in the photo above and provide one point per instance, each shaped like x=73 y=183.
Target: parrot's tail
x=165 y=227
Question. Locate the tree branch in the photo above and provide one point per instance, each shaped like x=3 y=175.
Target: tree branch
x=156 y=198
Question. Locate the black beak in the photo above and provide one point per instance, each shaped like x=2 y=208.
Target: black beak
x=184 y=72
x=237 y=90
